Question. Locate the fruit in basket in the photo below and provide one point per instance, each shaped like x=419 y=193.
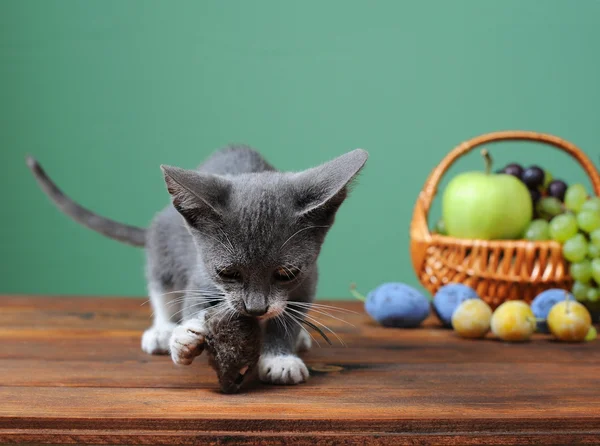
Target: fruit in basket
x=514 y=169
x=484 y=205
x=592 y=204
x=549 y=207
x=581 y=271
x=547 y=179
x=513 y=321
x=395 y=304
x=593 y=251
x=588 y=221
x=595 y=264
x=543 y=303
x=576 y=248
x=575 y=196
x=538 y=229
x=563 y=227
x=448 y=298
x=535 y=195
x=569 y=321
x=533 y=177
x=593 y=295
x=557 y=189
x=471 y=319
x=580 y=291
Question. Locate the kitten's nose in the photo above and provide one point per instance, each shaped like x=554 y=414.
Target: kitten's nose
x=256 y=310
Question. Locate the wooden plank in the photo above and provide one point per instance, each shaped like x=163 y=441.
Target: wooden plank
x=194 y=437
x=73 y=372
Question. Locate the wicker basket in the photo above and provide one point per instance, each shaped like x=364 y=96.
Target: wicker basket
x=498 y=270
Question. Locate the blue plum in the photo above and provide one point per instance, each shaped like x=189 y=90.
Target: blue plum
x=397 y=305
x=542 y=304
x=448 y=298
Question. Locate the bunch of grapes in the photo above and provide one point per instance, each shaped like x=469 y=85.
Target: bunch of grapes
x=568 y=215
x=547 y=194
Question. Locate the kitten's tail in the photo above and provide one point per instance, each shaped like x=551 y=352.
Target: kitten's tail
x=131 y=235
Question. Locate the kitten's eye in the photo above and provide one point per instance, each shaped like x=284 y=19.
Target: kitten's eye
x=230 y=274
x=286 y=273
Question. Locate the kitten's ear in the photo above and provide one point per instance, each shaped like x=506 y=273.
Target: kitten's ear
x=198 y=197
x=321 y=190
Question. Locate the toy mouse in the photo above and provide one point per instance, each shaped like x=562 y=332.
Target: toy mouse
x=233 y=345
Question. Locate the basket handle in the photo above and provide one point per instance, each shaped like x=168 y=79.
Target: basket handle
x=430 y=188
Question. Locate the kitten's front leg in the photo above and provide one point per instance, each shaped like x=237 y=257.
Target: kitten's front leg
x=187 y=340
x=278 y=362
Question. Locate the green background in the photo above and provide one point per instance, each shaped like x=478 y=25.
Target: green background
x=102 y=92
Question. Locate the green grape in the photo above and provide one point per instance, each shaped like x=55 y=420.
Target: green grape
x=547 y=179
x=593 y=251
x=596 y=270
x=588 y=221
x=563 y=227
x=549 y=207
x=593 y=204
x=575 y=249
x=580 y=290
x=538 y=230
x=575 y=196
x=581 y=271
x=595 y=237
x=593 y=295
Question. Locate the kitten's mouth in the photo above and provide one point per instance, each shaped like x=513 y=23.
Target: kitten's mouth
x=272 y=313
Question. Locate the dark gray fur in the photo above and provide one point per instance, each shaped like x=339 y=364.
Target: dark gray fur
x=233 y=345
x=241 y=214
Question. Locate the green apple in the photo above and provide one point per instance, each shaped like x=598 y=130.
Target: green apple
x=484 y=205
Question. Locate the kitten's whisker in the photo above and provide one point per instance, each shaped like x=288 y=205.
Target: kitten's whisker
x=219 y=310
x=298 y=232
x=324 y=307
x=313 y=319
x=288 y=330
x=224 y=307
x=189 y=291
x=206 y=299
x=302 y=327
x=324 y=313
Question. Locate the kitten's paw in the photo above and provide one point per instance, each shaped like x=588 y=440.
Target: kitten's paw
x=282 y=369
x=187 y=341
x=303 y=342
x=155 y=340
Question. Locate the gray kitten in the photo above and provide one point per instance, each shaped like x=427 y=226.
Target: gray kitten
x=239 y=235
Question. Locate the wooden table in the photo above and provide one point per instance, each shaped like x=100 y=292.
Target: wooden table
x=72 y=371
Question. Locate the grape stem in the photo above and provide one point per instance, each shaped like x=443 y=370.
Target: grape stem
x=487 y=158
x=356 y=294
x=567 y=305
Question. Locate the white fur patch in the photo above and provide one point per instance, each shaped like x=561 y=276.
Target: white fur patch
x=282 y=369
x=303 y=342
x=187 y=341
x=155 y=340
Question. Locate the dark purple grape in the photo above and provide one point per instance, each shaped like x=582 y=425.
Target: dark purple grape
x=557 y=188
x=535 y=195
x=533 y=177
x=514 y=169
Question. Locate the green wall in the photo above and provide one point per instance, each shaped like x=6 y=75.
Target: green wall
x=102 y=92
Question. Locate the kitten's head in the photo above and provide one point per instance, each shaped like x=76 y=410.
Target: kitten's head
x=260 y=233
